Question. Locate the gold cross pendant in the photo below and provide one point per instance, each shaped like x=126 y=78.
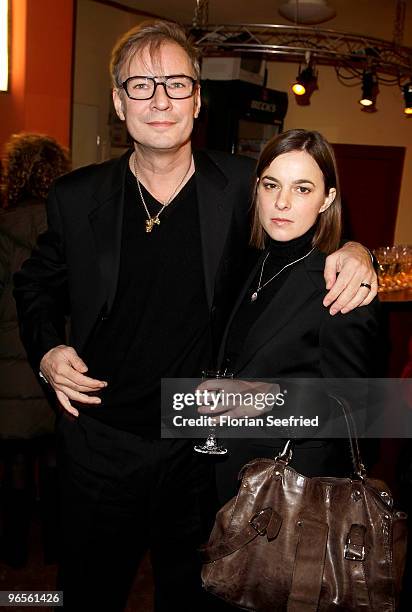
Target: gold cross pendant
x=150 y=223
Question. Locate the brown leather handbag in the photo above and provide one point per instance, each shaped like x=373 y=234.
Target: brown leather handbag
x=291 y=543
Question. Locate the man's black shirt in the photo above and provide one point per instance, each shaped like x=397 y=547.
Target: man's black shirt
x=159 y=324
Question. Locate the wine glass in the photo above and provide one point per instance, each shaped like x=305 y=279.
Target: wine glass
x=211 y=445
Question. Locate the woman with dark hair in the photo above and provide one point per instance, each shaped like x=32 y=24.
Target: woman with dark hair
x=30 y=164
x=279 y=327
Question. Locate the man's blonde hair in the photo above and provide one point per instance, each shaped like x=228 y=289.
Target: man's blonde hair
x=151 y=34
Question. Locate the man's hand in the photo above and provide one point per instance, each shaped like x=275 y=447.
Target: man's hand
x=64 y=370
x=238 y=406
x=354 y=265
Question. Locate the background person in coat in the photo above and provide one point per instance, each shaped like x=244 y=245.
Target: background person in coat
x=31 y=163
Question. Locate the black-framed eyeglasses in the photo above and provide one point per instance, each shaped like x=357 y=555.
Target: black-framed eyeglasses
x=176 y=86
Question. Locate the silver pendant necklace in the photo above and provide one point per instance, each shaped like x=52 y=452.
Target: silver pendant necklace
x=259 y=288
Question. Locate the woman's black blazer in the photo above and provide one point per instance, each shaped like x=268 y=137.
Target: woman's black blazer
x=296 y=336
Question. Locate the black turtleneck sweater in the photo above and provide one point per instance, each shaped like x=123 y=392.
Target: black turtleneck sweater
x=279 y=254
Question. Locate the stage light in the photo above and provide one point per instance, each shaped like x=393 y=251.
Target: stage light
x=370 y=90
x=306 y=83
x=4 y=45
x=298 y=89
x=407 y=95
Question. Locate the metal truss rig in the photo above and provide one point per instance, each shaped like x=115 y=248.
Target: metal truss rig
x=293 y=43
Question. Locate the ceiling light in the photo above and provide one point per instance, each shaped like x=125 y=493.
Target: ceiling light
x=306 y=83
x=370 y=89
x=307 y=11
x=407 y=95
x=298 y=89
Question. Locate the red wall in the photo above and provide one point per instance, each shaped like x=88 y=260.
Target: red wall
x=40 y=86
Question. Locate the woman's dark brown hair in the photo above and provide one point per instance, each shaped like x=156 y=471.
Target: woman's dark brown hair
x=31 y=163
x=329 y=223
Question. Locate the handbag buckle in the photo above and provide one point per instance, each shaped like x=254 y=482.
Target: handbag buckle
x=258 y=524
x=354 y=552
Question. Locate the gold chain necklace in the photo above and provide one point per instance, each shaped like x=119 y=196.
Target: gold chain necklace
x=152 y=221
x=255 y=294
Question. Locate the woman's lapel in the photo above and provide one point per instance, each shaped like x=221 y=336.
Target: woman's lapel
x=302 y=283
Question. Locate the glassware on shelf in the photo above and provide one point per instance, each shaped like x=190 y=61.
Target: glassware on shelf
x=387 y=262
x=405 y=266
x=394 y=267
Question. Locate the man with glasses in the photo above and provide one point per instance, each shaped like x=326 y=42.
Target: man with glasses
x=145 y=253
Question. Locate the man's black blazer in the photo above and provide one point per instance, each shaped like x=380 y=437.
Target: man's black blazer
x=74 y=269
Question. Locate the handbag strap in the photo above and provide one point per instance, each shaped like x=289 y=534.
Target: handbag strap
x=226 y=547
x=309 y=566
x=266 y=522
x=358 y=466
x=354 y=555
